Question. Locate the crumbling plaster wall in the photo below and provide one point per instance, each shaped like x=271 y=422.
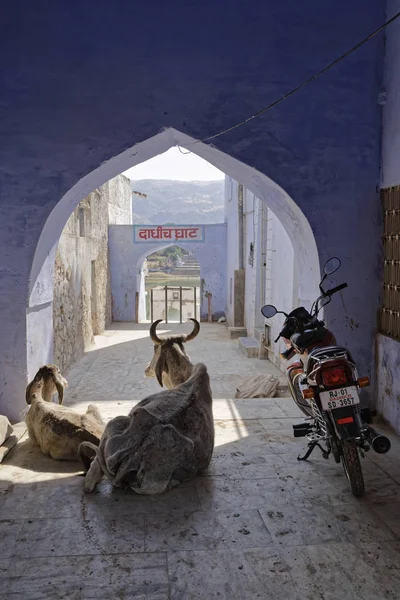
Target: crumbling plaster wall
x=82 y=291
x=82 y=298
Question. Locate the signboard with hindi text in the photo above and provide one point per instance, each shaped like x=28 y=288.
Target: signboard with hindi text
x=151 y=234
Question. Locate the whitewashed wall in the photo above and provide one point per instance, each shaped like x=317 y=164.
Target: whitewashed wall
x=232 y=248
x=251 y=236
x=272 y=277
x=281 y=280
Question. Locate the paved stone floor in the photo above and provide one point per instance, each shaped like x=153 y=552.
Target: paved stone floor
x=257 y=525
x=114 y=369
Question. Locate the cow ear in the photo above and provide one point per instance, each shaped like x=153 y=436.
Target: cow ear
x=28 y=393
x=161 y=366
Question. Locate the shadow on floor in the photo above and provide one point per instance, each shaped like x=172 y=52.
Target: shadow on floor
x=257 y=524
x=115 y=369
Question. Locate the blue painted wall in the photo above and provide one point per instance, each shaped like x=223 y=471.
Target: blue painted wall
x=388 y=350
x=82 y=82
x=126 y=260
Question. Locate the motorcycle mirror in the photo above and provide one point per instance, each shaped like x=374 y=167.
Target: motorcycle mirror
x=269 y=311
x=332 y=265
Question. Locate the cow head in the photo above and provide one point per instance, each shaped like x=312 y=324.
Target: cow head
x=46 y=382
x=170 y=358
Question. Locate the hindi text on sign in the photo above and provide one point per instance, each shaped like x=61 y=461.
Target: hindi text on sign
x=159 y=233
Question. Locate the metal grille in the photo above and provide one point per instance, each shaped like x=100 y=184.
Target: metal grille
x=390 y=310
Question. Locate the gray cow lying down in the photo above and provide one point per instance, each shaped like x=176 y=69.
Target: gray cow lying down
x=165 y=440
x=58 y=430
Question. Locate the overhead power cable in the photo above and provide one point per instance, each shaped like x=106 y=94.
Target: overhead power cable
x=302 y=85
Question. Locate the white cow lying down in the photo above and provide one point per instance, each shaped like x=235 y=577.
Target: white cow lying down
x=165 y=440
x=58 y=430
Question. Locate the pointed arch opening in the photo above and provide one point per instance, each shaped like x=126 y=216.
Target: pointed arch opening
x=41 y=278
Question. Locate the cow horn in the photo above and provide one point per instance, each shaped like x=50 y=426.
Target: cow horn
x=195 y=331
x=153 y=334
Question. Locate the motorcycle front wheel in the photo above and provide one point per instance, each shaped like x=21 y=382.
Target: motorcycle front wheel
x=352 y=467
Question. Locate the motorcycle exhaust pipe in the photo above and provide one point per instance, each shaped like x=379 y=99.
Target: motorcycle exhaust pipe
x=380 y=443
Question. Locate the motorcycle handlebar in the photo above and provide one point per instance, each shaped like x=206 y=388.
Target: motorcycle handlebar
x=326 y=294
x=336 y=289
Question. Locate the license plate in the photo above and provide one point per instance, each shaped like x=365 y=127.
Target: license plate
x=339 y=398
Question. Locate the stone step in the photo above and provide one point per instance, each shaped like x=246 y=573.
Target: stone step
x=237 y=332
x=249 y=346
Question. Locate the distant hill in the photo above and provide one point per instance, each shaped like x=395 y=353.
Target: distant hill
x=178 y=202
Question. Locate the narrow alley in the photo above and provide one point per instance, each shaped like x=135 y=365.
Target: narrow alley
x=259 y=524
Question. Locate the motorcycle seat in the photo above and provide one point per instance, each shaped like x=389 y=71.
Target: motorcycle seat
x=329 y=351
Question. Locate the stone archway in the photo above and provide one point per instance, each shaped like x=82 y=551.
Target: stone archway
x=126 y=259
x=284 y=207
x=81 y=104
x=39 y=312
x=211 y=257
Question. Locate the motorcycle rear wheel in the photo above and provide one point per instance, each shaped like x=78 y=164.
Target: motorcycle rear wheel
x=352 y=468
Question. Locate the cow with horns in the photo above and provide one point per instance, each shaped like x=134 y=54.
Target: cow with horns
x=167 y=438
x=170 y=363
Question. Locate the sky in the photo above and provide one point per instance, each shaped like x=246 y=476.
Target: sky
x=175 y=165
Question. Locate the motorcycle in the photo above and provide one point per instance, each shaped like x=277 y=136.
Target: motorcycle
x=325 y=385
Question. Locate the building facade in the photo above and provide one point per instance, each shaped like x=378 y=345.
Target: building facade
x=82 y=302
x=82 y=291
x=259 y=248
x=128 y=268
x=387 y=356
x=73 y=119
